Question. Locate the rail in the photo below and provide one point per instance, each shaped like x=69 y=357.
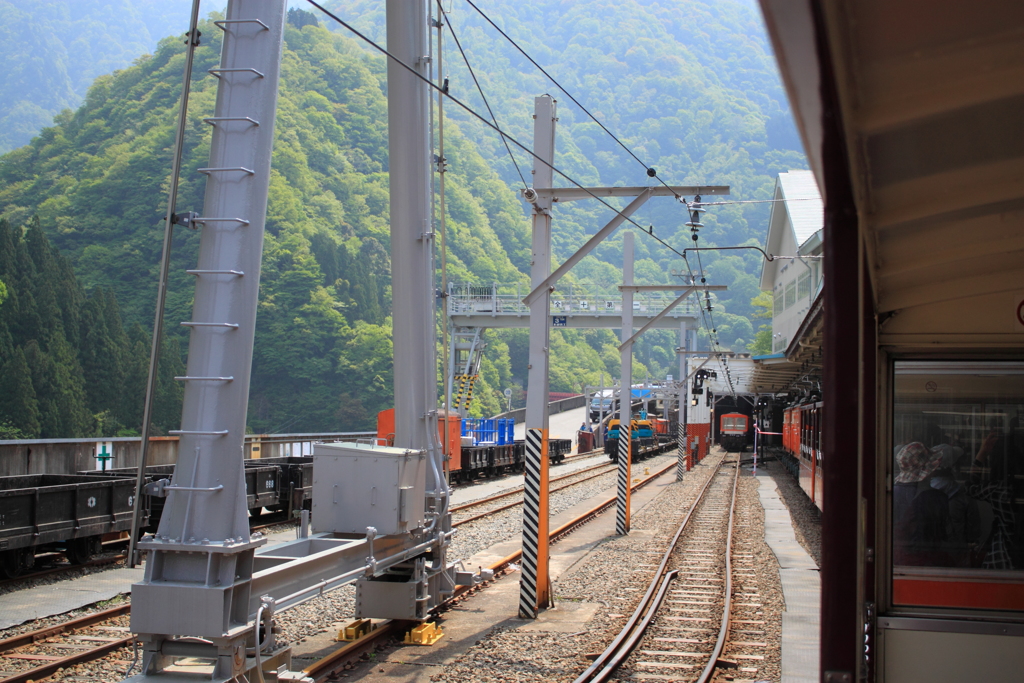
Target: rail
x=52 y=664
x=623 y=644
x=336 y=661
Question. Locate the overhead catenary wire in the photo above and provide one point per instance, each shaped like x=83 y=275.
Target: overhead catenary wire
x=480 y=89
x=650 y=170
x=446 y=94
x=709 y=328
x=459 y=103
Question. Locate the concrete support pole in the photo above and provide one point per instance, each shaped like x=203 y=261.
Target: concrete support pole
x=625 y=435
x=410 y=164
x=682 y=463
x=412 y=245
x=534 y=590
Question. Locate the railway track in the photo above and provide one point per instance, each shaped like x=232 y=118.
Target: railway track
x=604 y=468
x=335 y=662
x=41 y=653
x=682 y=625
x=38 y=654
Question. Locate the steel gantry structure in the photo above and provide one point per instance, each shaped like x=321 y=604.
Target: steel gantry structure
x=210 y=592
x=534 y=587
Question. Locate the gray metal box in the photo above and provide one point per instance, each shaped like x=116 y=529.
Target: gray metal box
x=387 y=600
x=359 y=485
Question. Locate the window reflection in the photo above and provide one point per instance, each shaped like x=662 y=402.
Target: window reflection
x=958 y=438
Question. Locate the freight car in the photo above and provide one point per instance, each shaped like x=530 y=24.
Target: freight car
x=60 y=512
x=279 y=485
x=477 y=447
x=489 y=449
x=72 y=514
x=643 y=441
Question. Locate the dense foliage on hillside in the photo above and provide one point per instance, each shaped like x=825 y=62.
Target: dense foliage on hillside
x=700 y=111
x=96 y=181
x=689 y=86
x=53 y=49
x=68 y=368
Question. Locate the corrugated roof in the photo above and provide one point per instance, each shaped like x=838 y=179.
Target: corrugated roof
x=808 y=214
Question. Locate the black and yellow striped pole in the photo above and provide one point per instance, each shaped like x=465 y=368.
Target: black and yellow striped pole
x=534 y=585
x=622 y=511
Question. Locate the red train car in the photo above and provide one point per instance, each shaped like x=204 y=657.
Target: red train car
x=734 y=428
x=801 y=438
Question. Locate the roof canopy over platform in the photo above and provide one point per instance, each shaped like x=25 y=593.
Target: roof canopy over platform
x=931 y=99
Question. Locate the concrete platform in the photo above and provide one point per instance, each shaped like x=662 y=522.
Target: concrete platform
x=560 y=425
x=17 y=607
x=801 y=587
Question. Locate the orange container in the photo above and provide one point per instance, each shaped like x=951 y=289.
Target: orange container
x=386 y=430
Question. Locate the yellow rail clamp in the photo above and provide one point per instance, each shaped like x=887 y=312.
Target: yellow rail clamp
x=426 y=633
x=356 y=629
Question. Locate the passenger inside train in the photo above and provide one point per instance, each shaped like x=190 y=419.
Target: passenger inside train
x=956 y=496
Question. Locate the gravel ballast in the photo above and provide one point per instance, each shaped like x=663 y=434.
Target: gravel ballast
x=613 y=575
x=328 y=612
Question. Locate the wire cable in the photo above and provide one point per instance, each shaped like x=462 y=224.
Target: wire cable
x=469 y=110
x=649 y=231
x=651 y=172
x=480 y=89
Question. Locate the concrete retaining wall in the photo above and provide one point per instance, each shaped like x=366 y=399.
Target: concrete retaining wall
x=67 y=456
x=561 y=406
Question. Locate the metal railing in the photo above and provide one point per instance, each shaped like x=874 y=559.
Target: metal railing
x=507 y=299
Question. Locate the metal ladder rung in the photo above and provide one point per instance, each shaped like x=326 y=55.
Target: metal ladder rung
x=186 y=378
x=218 y=71
x=186 y=432
x=233 y=326
x=207 y=219
x=243 y=169
x=213 y=120
x=220 y=24
x=236 y=273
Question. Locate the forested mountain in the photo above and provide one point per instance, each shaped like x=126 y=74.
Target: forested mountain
x=97 y=183
x=53 y=49
x=690 y=87
x=702 y=106
x=68 y=368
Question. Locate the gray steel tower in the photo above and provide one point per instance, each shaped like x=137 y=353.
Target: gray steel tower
x=198 y=574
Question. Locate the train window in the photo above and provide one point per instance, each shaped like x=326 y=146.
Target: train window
x=958 y=485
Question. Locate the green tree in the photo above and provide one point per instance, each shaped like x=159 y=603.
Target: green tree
x=704 y=108
x=763 y=305
x=19 y=409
